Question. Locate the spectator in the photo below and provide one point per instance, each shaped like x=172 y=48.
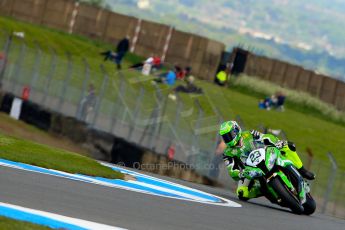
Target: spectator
x=109 y=55
x=121 y=49
x=180 y=74
x=183 y=73
x=88 y=104
x=221 y=77
x=187 y=71
x=279 y=101
x=153 y=60
x=169 y=78
x=156 y=62
x=190 y=87
x=268 y=103
x=262 y=104
x=137 y=66
x=265 y=103
x=276 y=101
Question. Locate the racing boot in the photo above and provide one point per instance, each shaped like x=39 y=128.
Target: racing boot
x=306 y=174
x=245 y=192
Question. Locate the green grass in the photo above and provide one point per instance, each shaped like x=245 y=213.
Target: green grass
x=61 y=42
x=302 y=121
x=305 y=129
x=299 y=101
x=7 y=223
x=50 y=40
x=19 y=150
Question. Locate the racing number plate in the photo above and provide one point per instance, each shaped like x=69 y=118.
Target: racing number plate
x=255 y=157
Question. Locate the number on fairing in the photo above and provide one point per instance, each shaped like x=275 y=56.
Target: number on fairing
x=255 y=157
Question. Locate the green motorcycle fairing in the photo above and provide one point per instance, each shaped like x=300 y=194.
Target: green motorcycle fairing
x=284 y=163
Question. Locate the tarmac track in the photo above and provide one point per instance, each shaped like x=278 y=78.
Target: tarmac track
x=134 y=210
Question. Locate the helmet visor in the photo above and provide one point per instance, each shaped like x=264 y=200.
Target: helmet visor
x=230 y=137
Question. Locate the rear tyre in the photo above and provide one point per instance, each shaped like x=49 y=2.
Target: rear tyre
x=288 y=199
x=310 y=205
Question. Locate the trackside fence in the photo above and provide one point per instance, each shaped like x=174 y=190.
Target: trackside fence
x=127 y=105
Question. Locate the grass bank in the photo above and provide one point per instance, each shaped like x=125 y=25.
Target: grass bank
x=22 y=130
x=61 y=42
x=28 y=152
x=300 y=101
x=7 y=223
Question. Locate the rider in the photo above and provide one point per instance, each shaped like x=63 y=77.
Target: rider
x=239 y=142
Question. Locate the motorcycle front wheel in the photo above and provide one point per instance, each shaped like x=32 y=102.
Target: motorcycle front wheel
x=310 y=205
x=287 y=197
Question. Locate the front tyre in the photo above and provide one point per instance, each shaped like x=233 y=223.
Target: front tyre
x=310 y=205
x=288 y=199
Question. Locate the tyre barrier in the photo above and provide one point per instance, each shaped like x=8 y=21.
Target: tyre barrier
x=125 y=153
x=6 y=103
x=32 y=114
x=69 y=127
x=99 y=144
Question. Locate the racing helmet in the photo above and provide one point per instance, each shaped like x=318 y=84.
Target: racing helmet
x=230 y=132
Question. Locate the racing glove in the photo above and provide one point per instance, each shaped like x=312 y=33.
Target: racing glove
x=281 y=144
x=227 y=160
x=232 y=168
x=256 y=134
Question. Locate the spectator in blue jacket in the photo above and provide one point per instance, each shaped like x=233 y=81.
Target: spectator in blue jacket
x=168 y=78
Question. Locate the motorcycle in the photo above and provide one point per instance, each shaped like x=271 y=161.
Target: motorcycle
x=280 y=182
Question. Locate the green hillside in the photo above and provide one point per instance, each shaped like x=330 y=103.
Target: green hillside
x=303 y=127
